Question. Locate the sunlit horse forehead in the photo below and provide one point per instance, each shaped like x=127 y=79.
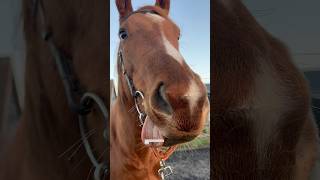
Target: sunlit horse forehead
x=154 y=23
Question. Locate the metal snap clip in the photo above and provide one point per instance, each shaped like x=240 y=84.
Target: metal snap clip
x=164 y=170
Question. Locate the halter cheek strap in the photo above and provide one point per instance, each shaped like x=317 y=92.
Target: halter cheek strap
x=124 y=72
x=134 y=93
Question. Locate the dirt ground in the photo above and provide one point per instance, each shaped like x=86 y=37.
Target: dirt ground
x=190 y=165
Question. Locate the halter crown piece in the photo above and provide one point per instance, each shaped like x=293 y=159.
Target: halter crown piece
x=83 y=108
x=164 y=169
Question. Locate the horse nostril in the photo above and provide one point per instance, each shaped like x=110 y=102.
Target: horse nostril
x=160 y=100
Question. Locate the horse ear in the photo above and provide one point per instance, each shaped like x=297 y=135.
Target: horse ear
x=124 y=7
x=164 y=4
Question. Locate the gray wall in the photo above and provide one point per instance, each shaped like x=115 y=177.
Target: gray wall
x=11 y=41
x=296 y=23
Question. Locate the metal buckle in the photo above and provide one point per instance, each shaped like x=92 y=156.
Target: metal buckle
x=164 y=170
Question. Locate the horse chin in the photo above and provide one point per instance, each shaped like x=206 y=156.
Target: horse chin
x=168 y=142
x=153 y=136
x=177 y=140
x=171 y=136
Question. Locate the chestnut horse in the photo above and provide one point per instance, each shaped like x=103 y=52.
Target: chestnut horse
x=155 y=82
x=47 y=144
x=262 y=123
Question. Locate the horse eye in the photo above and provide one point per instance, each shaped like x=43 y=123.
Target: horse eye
x=123 y=34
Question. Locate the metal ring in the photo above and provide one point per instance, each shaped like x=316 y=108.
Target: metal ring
x=138 y=93
x=142 y=115
x=86 y=99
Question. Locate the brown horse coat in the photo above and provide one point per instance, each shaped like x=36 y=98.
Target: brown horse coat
x=262 y=124
x=48 y=127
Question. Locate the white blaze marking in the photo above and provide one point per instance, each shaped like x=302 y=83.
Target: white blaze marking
x=193 y=94
x=170 y=49
x=268 y=103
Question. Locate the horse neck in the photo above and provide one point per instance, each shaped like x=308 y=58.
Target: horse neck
x=126 y=132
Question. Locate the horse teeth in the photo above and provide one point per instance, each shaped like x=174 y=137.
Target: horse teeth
x=148 y=141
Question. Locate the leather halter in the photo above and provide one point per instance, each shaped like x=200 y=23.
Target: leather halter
x=83 y=108
x=136 y=94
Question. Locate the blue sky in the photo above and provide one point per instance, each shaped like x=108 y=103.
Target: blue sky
x=193 y=18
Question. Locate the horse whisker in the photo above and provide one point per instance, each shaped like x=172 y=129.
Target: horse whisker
x=74 y=152
x=88 y=134
x=88 y=177
x=78 y=164
x=133 y=107
x=80 y=145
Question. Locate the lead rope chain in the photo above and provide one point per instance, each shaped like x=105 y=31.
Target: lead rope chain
x=164 y=170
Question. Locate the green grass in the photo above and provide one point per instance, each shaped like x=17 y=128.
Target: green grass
x=202 y=141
